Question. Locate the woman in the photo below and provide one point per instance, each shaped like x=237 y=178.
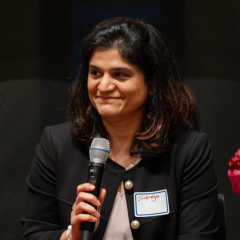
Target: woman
x=159 y=181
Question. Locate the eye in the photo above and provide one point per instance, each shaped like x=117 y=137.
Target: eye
x=95 y=73
x=121 y=75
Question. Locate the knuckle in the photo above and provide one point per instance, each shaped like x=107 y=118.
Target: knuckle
x=73 y=221
x=74 y=206
x=80 y=195
x=79 y=217
x=81 y=205
x=79 y=188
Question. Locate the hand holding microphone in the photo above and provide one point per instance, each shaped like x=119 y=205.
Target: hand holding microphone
x=80 y=208
x=84 y=211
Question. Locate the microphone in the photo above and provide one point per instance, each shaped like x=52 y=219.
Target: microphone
x=98 y=152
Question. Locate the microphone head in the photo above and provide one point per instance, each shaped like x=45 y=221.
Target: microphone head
x=99 y=150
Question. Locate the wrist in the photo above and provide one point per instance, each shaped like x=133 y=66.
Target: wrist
x=68 y=232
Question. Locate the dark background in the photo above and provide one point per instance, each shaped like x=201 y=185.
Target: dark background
x=39 y=57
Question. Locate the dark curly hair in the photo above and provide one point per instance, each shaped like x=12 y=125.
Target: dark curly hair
x=167 y=109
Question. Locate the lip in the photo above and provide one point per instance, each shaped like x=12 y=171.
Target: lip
x=107 y=99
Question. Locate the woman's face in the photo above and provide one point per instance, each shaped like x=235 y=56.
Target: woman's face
x=116 y=88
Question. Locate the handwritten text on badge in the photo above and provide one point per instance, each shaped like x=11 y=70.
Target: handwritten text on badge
x=148 y=204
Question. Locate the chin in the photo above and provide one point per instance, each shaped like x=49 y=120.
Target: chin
x=108 y=114
x=107 y=111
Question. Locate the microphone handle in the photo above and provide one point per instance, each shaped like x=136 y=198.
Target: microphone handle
x=95 y=174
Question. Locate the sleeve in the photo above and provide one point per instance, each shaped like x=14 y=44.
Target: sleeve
x=198 y=196
x=41 y=219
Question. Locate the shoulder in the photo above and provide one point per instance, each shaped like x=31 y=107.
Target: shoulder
x=188 y=145
x=187 y=137
x=58 y=133
x=59 y=137
x=63 y=129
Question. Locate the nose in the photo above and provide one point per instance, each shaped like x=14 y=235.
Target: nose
x=106 y=83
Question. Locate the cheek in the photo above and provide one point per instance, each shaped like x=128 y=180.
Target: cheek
x=91 y=87
x=142 y=96
x=140 y=91
x=137 y=96
x=91 y=92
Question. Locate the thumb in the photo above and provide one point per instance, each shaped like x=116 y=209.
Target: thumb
x=101 y=199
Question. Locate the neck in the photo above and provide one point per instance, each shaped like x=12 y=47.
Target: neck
x=121 y=136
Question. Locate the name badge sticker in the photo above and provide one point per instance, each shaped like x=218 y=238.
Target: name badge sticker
x=149 y=204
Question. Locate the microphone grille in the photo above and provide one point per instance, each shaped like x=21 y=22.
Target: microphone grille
x=99 y=150
x=101 y=143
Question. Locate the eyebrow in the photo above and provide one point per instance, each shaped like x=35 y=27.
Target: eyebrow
x=114 y=68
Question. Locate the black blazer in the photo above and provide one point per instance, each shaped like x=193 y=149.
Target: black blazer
x=186 y=171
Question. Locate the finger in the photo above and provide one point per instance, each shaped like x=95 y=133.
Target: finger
x=83 y=196
x=84 y=207
x=101 y=198
x=85 y=187
x=102 y=195
x=76 y=220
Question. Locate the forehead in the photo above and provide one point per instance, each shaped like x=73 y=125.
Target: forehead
x=110 y=57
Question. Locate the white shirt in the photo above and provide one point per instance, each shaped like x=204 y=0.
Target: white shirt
x=118 y=225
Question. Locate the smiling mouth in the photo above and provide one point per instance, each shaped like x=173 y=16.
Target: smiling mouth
x=107 y=99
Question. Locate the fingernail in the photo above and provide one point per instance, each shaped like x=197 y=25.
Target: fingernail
x=94 y=219
x=98 y=203
x=92 y=187
x=98 y=215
